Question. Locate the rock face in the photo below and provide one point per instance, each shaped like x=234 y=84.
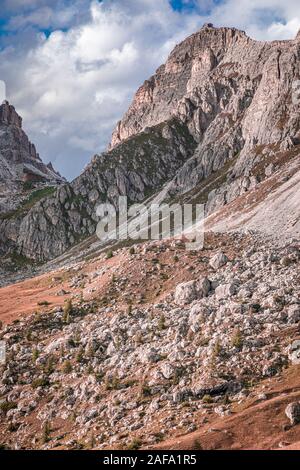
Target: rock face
x=214 y=122
x=235 y=95
x=137 y=168
x=19 y=160
x=20 y=163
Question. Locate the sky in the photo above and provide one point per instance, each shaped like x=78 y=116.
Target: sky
x=71 y=68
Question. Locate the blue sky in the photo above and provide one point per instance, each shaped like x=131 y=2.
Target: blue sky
x=71 y=67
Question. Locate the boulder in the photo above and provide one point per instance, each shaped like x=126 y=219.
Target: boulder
x=294 y=313
x=294 y=352
x=150 y=356
x=219 y=260
x=224 y=291
x=292 y=411
x=186 y=292
x=168 y=371
x=203 y=287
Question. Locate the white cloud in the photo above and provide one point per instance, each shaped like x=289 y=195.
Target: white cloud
x=262 y=19
x=284 y=30
x=73 y=86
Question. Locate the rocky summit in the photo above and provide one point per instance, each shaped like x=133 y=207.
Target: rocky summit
x=19 y=161
x=145 y=344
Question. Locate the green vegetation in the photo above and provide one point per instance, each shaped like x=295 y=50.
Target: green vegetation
x=237 y=339
x=35 y=354
x=68 y=308
x=217 y=349
x=145 y=390
x=207 y=399
x=42 y=382
x=197 y=445
x=44 y=303
x=162 y=322
x=46 y=432
x=67 y=367
x=80 y=355
x=112 y=383
x=7 y=405
x=33 y=198
x=135 y=444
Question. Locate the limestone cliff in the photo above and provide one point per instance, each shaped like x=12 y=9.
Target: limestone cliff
x=217 y=119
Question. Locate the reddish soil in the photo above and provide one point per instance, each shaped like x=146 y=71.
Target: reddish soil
x=23 y=298
x=149 y=278
x=253 y=425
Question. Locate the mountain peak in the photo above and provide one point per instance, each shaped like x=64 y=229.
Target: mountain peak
x=19 y=161
x=9 y=116
x=207 y=26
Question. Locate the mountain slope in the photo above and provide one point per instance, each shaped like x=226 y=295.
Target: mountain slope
x=137 y=168
x=219 y=113
x=154 y=345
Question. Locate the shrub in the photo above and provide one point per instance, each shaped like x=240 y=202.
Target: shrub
x=4 y=447
x=41 y=382
x=217 y=349
x=109 y=254
x=112 y=383
x=237 y=339
x=135 y=444
x=162 y=322
x=49 y=367
x=67 y=367
x=46 y=432
x=5 y=406
x=35 y=354
x=159 y=436
x=68 y=308
x=197 y=445
x=80 y=355
x=207 y=399
x=145 y=390
x=132 y=251
x=90 y=370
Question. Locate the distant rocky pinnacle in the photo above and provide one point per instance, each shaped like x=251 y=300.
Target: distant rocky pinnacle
x=214 y=122
x=21 y=169
x=9 y=116
x=19 y=160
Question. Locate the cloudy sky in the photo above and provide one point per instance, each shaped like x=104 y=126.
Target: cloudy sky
x=71 y=67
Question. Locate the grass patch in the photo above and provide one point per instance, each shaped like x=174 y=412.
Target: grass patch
x=33 y=198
